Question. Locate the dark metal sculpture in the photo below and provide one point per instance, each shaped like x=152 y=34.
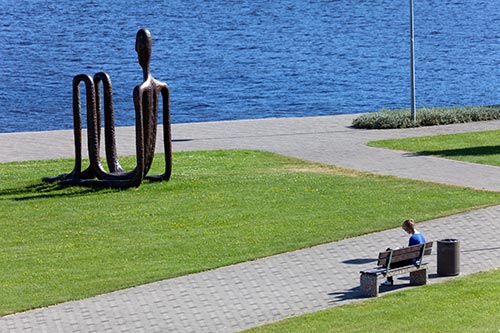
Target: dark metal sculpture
x=146 y=100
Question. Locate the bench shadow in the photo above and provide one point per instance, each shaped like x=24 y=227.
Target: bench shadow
x=354 y=293
x=360 y=261
x=395 y=287
x=430 y=276
x=346 y=295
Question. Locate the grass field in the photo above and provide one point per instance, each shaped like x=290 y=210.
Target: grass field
x=467 y=304
x=464 y=305
x=476 y=147
x=223 y=207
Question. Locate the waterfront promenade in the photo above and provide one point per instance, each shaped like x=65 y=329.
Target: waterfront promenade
x=245 y=295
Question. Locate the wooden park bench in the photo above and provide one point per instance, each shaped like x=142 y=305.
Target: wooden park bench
x=418 y=272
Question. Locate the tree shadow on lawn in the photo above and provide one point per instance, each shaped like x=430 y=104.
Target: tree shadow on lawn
x=473 y=151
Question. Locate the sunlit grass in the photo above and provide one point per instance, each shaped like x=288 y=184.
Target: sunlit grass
x=220 y=208
x=476 y=147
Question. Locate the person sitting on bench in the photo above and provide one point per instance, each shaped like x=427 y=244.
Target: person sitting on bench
x=415 y=239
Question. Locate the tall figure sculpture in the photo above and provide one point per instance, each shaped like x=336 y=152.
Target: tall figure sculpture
x=146 y=101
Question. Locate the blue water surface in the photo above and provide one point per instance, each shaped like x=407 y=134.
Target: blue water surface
x=243 y=59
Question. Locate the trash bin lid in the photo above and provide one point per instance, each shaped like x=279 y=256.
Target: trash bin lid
x=448 y=240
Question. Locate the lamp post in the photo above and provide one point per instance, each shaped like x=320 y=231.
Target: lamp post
x=412 y=66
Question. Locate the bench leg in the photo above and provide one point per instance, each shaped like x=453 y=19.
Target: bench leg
x=369 y=285
x=418 y=278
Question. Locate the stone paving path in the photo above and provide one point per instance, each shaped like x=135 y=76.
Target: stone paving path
x=234 y=298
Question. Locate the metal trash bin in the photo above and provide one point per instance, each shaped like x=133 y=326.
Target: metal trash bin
x=448 y=257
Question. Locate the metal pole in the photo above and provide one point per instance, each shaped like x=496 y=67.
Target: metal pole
x=412 y=66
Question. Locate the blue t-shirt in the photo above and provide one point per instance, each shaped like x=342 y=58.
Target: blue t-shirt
x=416 y=238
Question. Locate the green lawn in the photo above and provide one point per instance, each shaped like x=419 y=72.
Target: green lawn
x=463 y=305
x=467 y=304
x=59 y=244
x=475 y=147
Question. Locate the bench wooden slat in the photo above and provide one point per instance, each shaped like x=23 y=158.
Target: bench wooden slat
x=394 y=271
x=401 y=257
x=406 y=269
x=407 y=253
x=408 y=249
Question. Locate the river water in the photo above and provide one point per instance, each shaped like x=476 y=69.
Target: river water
x=228 y=59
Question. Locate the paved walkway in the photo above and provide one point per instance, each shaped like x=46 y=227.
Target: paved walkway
x=327 y=139
x=241 y=296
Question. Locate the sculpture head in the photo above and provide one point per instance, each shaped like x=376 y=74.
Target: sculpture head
x=143 y=47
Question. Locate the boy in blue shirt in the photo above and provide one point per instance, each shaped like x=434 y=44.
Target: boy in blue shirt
x=415 y=239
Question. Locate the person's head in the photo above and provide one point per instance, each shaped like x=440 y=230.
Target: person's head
x=409 y=226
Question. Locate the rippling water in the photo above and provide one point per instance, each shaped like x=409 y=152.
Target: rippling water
x=228 y=59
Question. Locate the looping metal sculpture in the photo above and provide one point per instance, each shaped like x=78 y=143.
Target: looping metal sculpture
x=146 y=100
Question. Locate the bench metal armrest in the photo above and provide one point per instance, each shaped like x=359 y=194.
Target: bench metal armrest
x=422 y=252
x=388 y=267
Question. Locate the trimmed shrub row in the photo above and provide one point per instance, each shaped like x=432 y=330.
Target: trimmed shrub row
x=387 y=119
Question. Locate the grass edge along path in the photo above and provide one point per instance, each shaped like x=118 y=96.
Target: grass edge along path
x=220 y=208
x=475 y=147
x=462 y=305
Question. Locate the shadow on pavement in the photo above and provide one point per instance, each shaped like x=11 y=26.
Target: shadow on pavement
x=361 y=261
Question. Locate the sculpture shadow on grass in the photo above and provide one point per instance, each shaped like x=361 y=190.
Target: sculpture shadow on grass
x=46 y=190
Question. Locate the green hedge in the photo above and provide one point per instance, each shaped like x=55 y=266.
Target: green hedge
x=386 y=119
